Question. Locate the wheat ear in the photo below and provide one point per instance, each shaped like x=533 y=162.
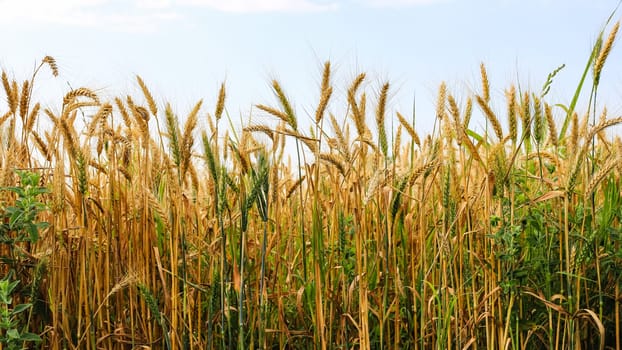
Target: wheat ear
x=604 y=53
x=148 y=96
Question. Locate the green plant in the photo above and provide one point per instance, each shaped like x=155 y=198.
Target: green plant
x=19 y=221
x=10 y=335
x=19 y=224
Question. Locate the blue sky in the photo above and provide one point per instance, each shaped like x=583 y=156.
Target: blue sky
x=184 y=49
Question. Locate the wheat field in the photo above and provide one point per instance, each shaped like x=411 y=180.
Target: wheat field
x=346 y=234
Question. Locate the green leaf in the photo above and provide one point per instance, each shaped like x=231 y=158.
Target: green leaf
x=12 y=286
x=30 y=337
x=12 y=334
x=33 y=232
x=475 y=135
x=18 y=190
x=20 y=308
x=16 y=219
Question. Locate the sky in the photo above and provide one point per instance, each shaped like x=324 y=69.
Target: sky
x=184 y=49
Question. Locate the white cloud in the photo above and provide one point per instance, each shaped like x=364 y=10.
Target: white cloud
x=240 y=6
x=143 y=15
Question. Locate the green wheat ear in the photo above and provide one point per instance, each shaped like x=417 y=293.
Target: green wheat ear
x=260 y=186
x=382 y=132
x=209 y=155
x=152 y=305
x=172 y=128
x=82 y=176
x=151 y=301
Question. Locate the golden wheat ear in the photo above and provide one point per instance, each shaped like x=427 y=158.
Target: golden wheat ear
x=72 y=95
x=153 y=107
x=187 y=138
x=510 y=96
x=99 y=118
x=491 y=116
x=604 y=53
x=485 y=83
x=326 y=92
x=357 y=108
x=409 y=129
x=51 y=62
x=548 y=113
x=286 y=105
x=454 y=111
x=12 y=92
x=275 y=112
x=220 y=104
